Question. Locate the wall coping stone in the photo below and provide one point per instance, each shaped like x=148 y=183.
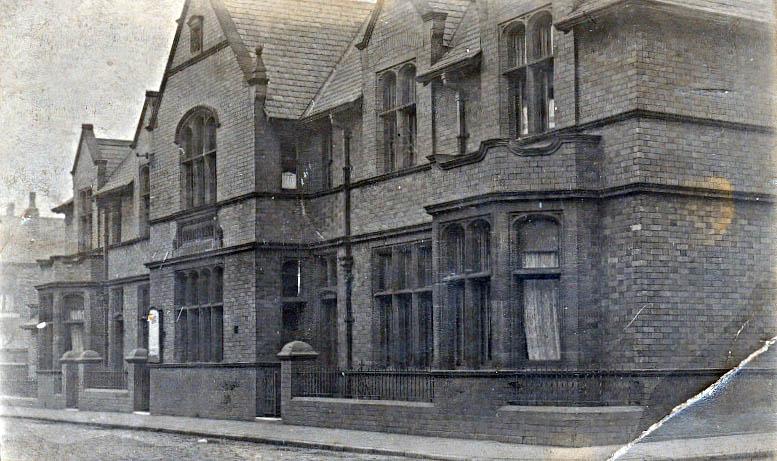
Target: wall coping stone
x=382 y=403
x=570 y=410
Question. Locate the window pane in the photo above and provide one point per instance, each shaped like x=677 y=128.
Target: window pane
x=404 y=336
x=210 y=135
x=538 y=241
x=404 y=268
x=389 y=140
x=481 y=294
x=385 y=333
x=384 y=281
x=408 y=85
x=424 y=265
x=456 y=307
x=204 y=287
x=181 y=324
x=480 y=246
x=217 y=334
x=425 y=330
x=540 y=301
x=290 y=279
x=516 y=46
x=389 y=90
x=205 y=339
x=542 y=36
x=218 y=285
x=454 y=249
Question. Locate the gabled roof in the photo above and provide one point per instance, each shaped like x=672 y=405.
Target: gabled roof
x=302 y=42
x=113 y=151
x=121 y=177
x=344 y=85
x=753 y=10
x=465 y=45
x=455 y=9
x=148 y=107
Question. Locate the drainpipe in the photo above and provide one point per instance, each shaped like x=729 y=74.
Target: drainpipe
x=461 y=120
x=348 y=260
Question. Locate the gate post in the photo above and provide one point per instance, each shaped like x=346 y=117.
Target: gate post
x=295 y=351
x=138 y=383
x=70 y=379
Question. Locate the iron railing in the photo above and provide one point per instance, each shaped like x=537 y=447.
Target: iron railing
x=411 y=386
x=558 y=387
x=18 y=387
x=102 y=379
x=548 y=387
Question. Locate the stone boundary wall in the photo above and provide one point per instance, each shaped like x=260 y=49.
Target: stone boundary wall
x=105 y=400
x=559 y=426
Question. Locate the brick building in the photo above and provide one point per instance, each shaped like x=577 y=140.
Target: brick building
x=23 y=239
x=453 y=185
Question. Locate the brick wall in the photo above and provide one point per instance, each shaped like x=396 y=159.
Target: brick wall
x=682 y=276
x=224 y=392
x=104 y=400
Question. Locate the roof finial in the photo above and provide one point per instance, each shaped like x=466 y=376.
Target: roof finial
x=259 y=75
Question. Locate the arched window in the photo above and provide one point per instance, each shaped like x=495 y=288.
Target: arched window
x=388 y=116
x=541 y=35
x=466 y=250
x=389 y=88
x=453 y=240
x=480 y=246
x=528 y=67
x=516 y=45
x=197 y=143
x=537 y=278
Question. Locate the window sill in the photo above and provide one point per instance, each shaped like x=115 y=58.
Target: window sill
x=550 y=273
x=467 y=275
x=293 y=300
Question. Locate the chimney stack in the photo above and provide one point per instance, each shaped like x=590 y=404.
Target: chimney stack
x=32 y=210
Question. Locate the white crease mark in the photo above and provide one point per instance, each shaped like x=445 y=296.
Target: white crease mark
x=702 y=395
x=635 y=317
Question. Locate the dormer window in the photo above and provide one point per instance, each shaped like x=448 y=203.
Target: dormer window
x=195 y=34
x=528 y=67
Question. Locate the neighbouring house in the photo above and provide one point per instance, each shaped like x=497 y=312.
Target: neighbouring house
x=23 y=239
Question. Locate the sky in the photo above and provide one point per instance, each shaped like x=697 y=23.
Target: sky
x=68 y=62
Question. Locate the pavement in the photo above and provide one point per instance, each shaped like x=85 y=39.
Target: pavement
x=273 y=432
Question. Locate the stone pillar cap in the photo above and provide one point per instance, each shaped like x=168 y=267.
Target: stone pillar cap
x=88 y=356
x=69 y=356
x=138 y=355
x=297 y=350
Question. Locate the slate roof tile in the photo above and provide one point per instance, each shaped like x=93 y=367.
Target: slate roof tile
x=303 y=40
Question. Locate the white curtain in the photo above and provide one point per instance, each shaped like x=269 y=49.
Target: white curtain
x=540 y=300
